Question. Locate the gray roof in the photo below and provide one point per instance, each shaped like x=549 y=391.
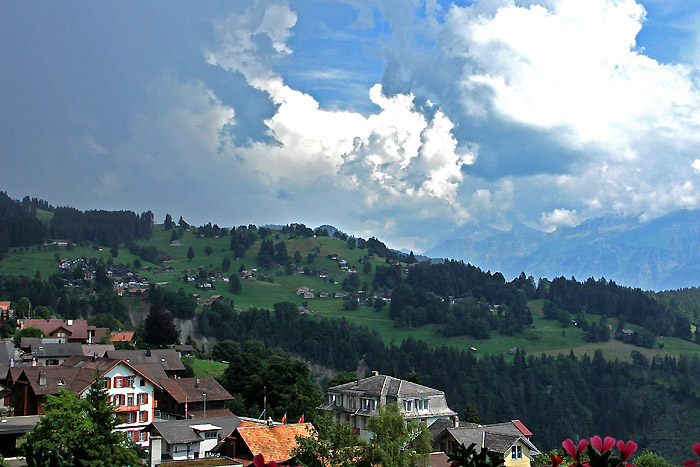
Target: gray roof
x=5 y=352
x=181 y=431
x=382 y=385
x=497 y=438
x=18 y=425
x=56 y=350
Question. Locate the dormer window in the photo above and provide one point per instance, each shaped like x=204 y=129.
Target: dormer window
x=408 y=405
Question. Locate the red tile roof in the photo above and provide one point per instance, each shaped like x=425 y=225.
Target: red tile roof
x=124 y=336
x=275 y=443
x=523 y=429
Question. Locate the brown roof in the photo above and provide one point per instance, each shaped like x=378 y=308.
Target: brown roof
x=167 y=358
x=182 y=389
x=77 y=328
x=211 y=413
x=275 y=443
x=103 y=365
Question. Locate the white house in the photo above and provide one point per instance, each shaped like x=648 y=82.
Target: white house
x=354 y=403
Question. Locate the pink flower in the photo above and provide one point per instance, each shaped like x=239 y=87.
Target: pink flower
x=626 y=450
x=692 y=462
x=603 y=446
x=568 y=446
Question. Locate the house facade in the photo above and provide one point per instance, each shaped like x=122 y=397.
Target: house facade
x=356 y=402
x=133 y=397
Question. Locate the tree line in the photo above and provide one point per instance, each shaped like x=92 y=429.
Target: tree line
x=557 y=397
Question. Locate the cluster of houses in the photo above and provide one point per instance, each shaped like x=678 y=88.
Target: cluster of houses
x=178 y=419
x=125 y=281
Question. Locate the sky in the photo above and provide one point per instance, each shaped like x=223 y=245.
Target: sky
x=412 y=121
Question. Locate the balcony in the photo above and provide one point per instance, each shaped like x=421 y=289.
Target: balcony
x=128 y=408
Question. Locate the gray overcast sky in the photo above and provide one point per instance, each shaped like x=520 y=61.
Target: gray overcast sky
x=407 y=120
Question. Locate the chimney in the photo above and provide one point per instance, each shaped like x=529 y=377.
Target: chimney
x=455 y=421
x=33 y=361
x=375 y=373
x=42 y=378
x=12 y=363
x=70 y=322
x=196 y=383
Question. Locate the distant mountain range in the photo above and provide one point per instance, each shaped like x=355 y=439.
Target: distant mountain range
x=660 y=255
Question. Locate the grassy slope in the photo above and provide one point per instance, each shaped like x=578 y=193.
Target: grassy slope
x=545 y=336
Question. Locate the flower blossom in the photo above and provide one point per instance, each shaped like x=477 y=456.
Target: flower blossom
x=575 y=452
x=692 y=462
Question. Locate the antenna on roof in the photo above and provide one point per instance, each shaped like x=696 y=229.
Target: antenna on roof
x=264 y=403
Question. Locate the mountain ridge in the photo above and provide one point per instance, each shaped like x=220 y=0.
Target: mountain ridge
x=662 y=254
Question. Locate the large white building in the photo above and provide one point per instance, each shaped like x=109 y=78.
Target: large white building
x=354 y=403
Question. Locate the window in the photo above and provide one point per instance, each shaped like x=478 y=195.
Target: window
x=143 y=416
x=131 y=417
x=419 y=404
x=117 y=381
x=108 y=383
x=118 y=400
x=210 y=435
x=142 y=382
x=143 y=398
x=408 y=405
x=143 y=436
x=130 y=381
x=516 y=452
x=426 y=404
x=130 y=399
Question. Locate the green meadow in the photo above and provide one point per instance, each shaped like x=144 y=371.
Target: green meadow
x=544 y=336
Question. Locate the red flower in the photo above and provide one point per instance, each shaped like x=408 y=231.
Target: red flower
x=626 y=450
x=575 y=452
x=603 y=446
x=692 y=462
x=556 y=460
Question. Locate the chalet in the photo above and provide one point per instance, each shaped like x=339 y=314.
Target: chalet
x=308 y=295
x=339 y=295
x=511 y=439
x=130 y=390
x=323 y=294
x=302 y=290
x=354 y=403
x=323 y=273
x=181 y=440
x=274 y=442
x=69 y=330
x=193 y=398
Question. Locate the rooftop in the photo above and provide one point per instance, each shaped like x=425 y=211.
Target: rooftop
x=382 y=385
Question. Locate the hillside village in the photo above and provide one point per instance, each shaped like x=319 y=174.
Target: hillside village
x=177 y=419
